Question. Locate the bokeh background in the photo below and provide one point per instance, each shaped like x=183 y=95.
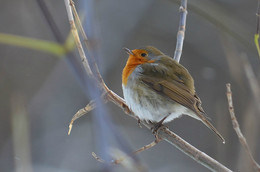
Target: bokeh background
x=41 y=91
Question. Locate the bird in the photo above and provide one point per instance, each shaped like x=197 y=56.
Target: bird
x=158 y=89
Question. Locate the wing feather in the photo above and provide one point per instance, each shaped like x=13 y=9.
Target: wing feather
x=174 y=90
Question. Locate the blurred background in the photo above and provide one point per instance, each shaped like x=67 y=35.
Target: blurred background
x=42 y=85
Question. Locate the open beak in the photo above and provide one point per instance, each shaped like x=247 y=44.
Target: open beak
x=128 y=51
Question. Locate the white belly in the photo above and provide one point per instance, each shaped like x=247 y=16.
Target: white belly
x=155 y=109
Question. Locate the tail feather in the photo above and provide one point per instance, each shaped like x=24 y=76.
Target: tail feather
x=201 y=115
x=210 y=126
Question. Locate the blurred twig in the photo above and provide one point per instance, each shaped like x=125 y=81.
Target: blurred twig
x=49 y=18
x=36 y=44
x=20 y=134
x=58 y=49
x=126 y=161
x=236 y=127
x=181 y=31
x=163 y=133
x=257 y=28
x=254 y=86
x=122 y=158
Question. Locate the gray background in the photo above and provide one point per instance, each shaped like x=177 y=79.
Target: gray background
x=39 y=92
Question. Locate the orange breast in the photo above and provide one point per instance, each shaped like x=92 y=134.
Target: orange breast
x=132 y=62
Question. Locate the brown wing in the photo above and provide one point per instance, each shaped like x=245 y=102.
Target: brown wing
x=179 y=93
x=174 y=90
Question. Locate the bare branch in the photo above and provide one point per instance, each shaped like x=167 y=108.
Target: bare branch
x=122 y=158
x=97 y=157
x=197 y=155
x=126 y=161
x=163 y=133
x=82 y=112
x=181 y=31
x=236 y=127
x=144 y=148
x=76 y=38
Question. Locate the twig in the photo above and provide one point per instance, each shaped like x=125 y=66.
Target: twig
x=236 y=127
x=146 y=147
x=49 y=18
x=97 y=158
x=126 y=161
x=82 y=112
x=181 y=31
x=164 y=133
x=85 y=39
x=119 y=160
x=76 y=38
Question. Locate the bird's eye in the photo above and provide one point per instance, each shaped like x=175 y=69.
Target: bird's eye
x=143 y=54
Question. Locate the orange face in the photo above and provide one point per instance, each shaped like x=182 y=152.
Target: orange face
x=138 y=57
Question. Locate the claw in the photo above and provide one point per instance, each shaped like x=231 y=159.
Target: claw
x=139 y=122
x=158 y=126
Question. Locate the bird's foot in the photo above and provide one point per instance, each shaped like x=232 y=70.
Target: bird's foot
x=156 y=128
x=139 y=122
x=158 y=125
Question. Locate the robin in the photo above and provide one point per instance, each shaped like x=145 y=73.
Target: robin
x=158 y=89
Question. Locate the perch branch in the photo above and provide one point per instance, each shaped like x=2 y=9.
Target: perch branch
x=163 y=133
x=236 y=127
x=181 y=31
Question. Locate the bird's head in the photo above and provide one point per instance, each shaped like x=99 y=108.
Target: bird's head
x=146 y=54
x=137 y=57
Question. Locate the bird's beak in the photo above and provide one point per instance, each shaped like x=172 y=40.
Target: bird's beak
x=128 y=51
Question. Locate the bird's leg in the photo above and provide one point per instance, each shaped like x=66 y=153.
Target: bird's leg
x=158 y=125
x=139 y=122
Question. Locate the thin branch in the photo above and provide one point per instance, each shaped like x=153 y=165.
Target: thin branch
x=85 y=39
x=236 y=127
x=126 y=161
x=82 y=112
x=97 y=157
x=181 y=31
x=49 y=18
x=76 y=38
x=163 y=133
x=120 y=160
